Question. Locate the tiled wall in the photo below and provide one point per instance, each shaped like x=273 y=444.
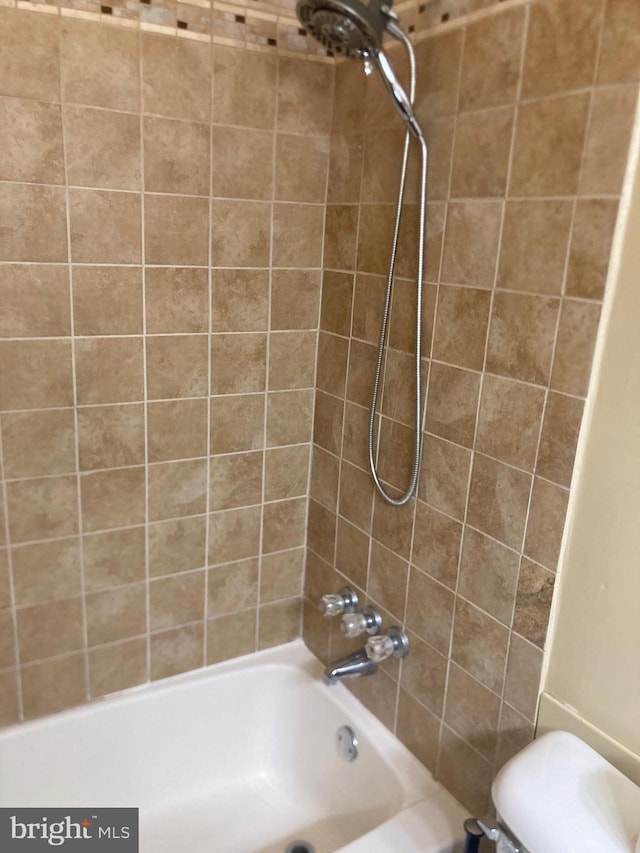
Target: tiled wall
x=528 y=115
x=161 y=224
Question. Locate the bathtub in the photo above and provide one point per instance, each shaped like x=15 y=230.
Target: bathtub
x=240 y=757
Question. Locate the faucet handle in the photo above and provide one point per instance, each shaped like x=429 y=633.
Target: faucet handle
x=334 y=605
x=393 y=643
x=354 y=624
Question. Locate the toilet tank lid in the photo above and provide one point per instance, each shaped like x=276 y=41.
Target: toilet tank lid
x=560 y=796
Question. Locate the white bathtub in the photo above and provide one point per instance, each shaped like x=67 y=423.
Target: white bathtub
x=240 y=757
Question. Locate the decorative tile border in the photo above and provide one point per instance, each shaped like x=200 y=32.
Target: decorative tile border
x=251 y=24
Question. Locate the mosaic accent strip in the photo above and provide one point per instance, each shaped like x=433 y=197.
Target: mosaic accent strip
x=250 y=24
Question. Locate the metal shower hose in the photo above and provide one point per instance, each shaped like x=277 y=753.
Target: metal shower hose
x=373 y=456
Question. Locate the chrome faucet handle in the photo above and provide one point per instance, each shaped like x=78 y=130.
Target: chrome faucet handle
x=334 y=605
x=354 y=624
x=393 y=643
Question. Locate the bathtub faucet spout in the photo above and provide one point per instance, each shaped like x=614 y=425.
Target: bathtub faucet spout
x=354 y=665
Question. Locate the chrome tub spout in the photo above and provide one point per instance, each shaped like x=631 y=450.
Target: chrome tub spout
x=354 y=665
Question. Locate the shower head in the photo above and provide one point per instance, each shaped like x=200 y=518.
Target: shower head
x=354 y=30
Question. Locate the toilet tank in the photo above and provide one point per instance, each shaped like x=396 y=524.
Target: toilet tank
x=560 y=796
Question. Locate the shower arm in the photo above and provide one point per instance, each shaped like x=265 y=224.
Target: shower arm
x=405 y=106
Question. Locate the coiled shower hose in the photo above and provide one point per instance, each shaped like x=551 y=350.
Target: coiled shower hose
x=373 y=439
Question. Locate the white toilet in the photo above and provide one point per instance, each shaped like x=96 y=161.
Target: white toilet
x=560 y=796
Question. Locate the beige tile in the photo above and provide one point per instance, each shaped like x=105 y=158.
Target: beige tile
x=116 y=667
x=509 y=421
x=42 y=508
x=479 y=645
x=5 y=589
x=444 y=475
x=177 y=545
x=356 y=496
x=481 y=153
x=102 y=148
x=562 y=46
x=534 y=245
x=176 y=430
x=368 y=304
x=488 y=575
x=295 y=297
x=462 y=322
x=471 y=243
x=314 y=631
x=452 y=403
x=430 y=610
x=176 y=156
x=35 y=301
x=546 y=523
x=304 y=96
x=235 y=480
x=176 y=600
x=231 y=636
x=378 y=698
x=337 y=297
x=49 y=629
x=111 y=436
x=436 y=544
x=562 y=419
x=297 y=235
x=240 y=233
x=607 y=144
x=465 y=773
x=620 y=48
x=395 y=454
x=29 y=55
x=99 y=65
x=281 y=575
x=177 y=650
x=514 y=734
x=176 y=230
x=7 y=643
x=438 y=62
x=31 y=142
x=36 y=374
x=234 y=535
x=498 y=500
x=286 y=472
x=283 y=525
x=8 y=697
x=113 y=499
x=402 y=327
x=331 y=365
x=418 y=729
x=321 y=531
x=381 y=146
x=533 y=602
x=523 y=676
x=439 y=132
x=301 y=164
x=348 y=98
x=352 y=552
x=238 y=363
x=46 y=571
x=472 y=711
x=392 y=526
x=105 y=227
x=236 y=103
x=177 y=366
x=107 y=300
x=177 y=489
x=593 y=229
x=237 y=423
x=243 y=163
x=240 y=300
x=521 y=336
x=548 y=146
x=115 y=614
x=38 y=443
x=109 y=370
x=20 y=206
x=280 y=622
x=375 y=237
x=341 y=230
x=491 y=61
x=232 y=587
x=176 y=300
x=575 y=344
x=361 y=372
x=114 y=558
x=387 y=582
x=424 y=674
x=345 y=167
x=356 y=430
x=176 y=77
x=291 y=360
x=53 y=685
